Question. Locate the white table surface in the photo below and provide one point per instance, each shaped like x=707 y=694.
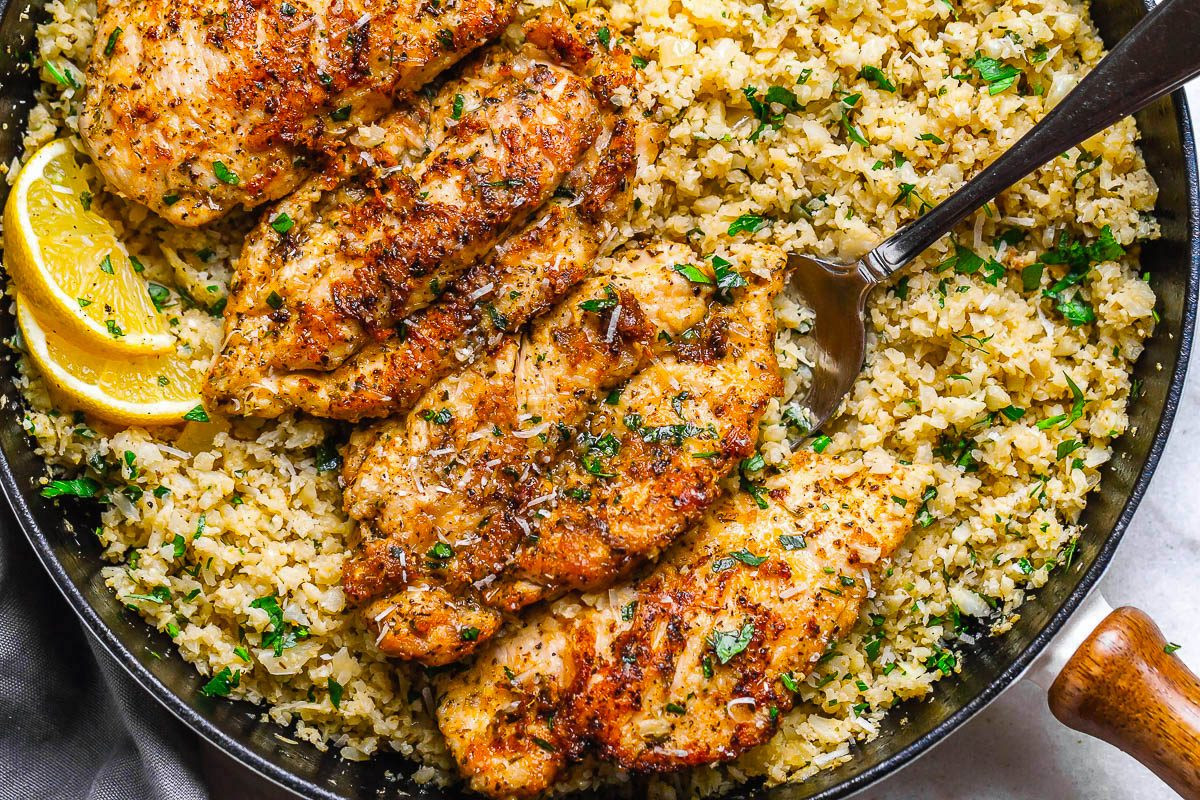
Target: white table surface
x=1015 y=749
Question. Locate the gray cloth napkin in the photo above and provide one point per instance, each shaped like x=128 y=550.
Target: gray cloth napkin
x=73 y=725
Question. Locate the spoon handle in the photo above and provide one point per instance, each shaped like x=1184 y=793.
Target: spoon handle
x=1159 y=55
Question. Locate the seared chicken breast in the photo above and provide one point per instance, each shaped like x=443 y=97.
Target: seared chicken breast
x=691 y=663
x=193 y=107
x=390 y=281
x=570 y=455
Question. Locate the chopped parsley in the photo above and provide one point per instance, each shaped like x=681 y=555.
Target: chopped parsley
x=79 y=487
x=159 y=594
x=752 y=464
x=727 y=644
x=692 y=273
x=751 y=223
x=160 y=295
x=748 y=558
x=456 y=109
x=197 y=414
x=1077 y=312
x=762 y=108
x=601 y=303
x=340 y=114
x=1012 y=413
x=925 y=517
x=1031 y=276
x=282 y=635
x=1077 y=401
x=998 y=76
x=224 y=174
x=221 y=684
x=327 y=458
x=441 y=552
x=942 y=660
x=63 y=77
x=875 y=75
x=597 y=448
x=909 y=191
x=759 y=493
x=441 y=417
x=111 y=44
x=845 y=106
x=336 y=690
x=282 y=223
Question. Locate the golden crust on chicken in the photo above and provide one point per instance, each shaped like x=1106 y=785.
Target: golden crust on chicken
x=389 y=281
x=693 y=662
x=569 y=456
x=195 y=107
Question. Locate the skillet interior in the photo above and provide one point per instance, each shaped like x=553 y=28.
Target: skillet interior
x=991 y=664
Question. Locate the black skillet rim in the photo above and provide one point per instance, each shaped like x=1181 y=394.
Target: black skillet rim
x=303 y=787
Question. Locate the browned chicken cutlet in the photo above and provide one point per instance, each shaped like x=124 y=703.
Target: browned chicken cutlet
x=568 y=457
x=691 y=663
x=389 y=282
x=194 y=108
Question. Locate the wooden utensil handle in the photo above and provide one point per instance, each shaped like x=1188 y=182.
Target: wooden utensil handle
x=1122 y=686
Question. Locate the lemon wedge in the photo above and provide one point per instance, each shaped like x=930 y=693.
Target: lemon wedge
x=144 y=390
x=67 y=261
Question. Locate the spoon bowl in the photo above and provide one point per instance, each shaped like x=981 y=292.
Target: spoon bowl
x=837 y=294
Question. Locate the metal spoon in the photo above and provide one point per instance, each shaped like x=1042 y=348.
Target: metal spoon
x=1159 y=55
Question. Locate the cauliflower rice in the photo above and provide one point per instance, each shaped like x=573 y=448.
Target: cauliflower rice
x=1012 y=398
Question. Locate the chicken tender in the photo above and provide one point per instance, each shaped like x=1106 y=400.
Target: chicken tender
x=389 y=282
x=194 y=107
x=691 y=663
x=566 y=460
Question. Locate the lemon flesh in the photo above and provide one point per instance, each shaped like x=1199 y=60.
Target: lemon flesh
x=67 y=260
x=146 y=390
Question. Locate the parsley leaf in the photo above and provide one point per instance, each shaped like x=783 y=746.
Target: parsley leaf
x=727 y=644
x=762 y=108
x=224 y=174
x=282 y=223
x=875 y=75
x=282 y=635
x=79 y=487
x=751 y=223
x=601 y=304
x=222 y=683
x=335 y=692
x=995 y=73
x=197 y=414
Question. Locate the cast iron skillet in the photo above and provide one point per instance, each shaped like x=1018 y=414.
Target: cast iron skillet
x=991 y=664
